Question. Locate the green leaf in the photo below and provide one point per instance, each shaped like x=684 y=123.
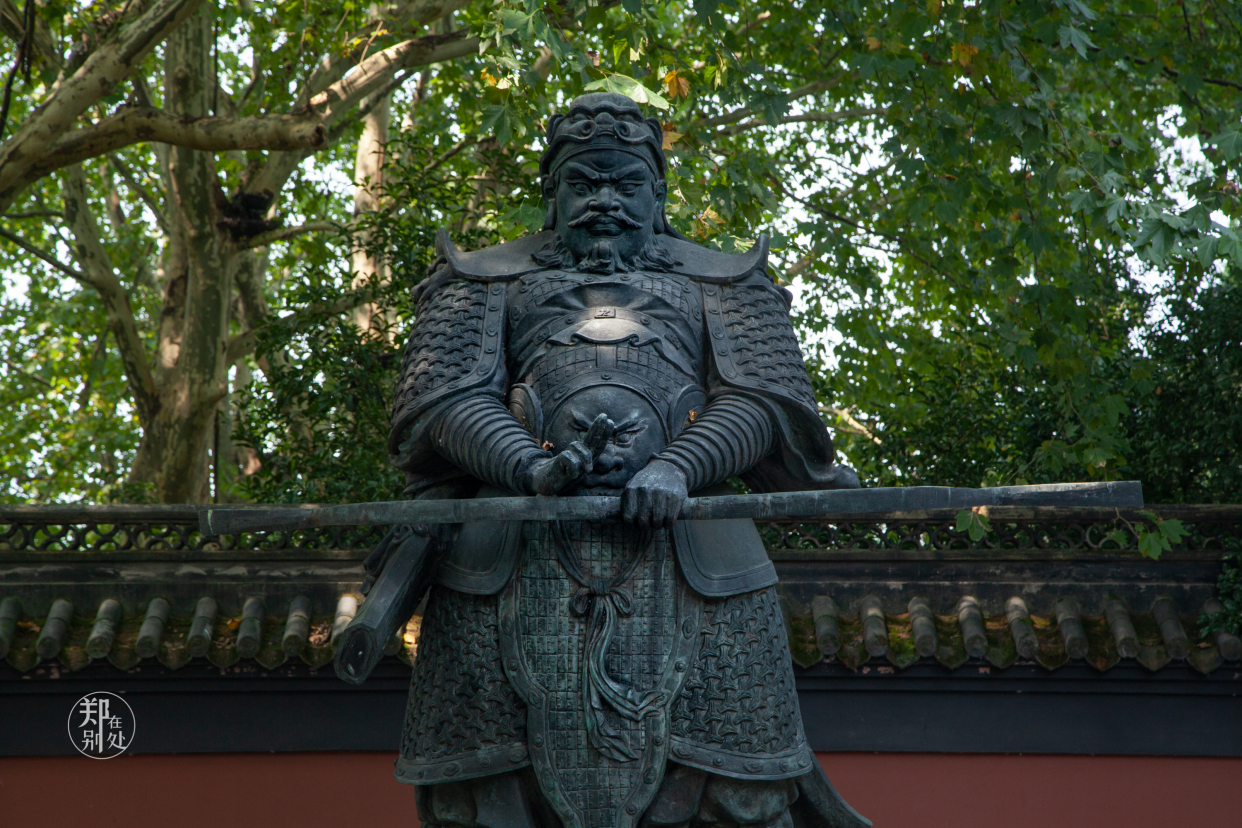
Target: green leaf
x=1229 y=143
x=975 y=524
x=1150 y=545
x=632 y=89
x=1076 y=38
x=497 y=118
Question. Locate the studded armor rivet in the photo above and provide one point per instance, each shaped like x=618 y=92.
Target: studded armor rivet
x=493 y=307
x=631 y=809
x=644 y=320
x=490 y=349
x=496 y=290
x=648 y=777
x=605 y=376
x=680 y=666
x=687 y=628
x=625 y=277
x=657 y=741
x=712 y=310
x=710 y=291
x=451 y=769
x=491 y=331
x=569 y=320
x=485 y=762
x=549 y=783
x=538 y=741
x=513 y=662
x=728 y=372
x=721 y=351
x=421 y=774
x=763 y=383
x=718 y=334
x=718 y=761
x=517 y=755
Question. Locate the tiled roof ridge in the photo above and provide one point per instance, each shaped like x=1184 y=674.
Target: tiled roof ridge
x=74 y=641
x=1153 y=638
x=1102 y=639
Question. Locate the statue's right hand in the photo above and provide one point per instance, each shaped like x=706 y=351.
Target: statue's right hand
x=551 y=475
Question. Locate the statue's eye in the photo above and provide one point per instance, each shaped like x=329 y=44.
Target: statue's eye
x=624 y=440
x=580 y=188
x=627 y=189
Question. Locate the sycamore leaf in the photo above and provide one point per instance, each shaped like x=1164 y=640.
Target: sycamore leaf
x=496 y=117
x=630 y=88
x=1075 y=38
x=1230 y=144
x=963 y=52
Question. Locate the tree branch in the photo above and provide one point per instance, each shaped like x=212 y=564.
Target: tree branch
x=283 y=233
x=30 y=214
x=11 y=25
x=240 y=345
x=805 y=118
x=99 y=273
x=41 y=254
x=137 y=124
x=132 y=182
x=812 y=88
x=28 y=374
x=856 y=426
x=99 y=76
x=373 y=74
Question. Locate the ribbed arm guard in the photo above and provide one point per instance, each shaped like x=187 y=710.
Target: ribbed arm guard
x=481 y=437
x=729 y=437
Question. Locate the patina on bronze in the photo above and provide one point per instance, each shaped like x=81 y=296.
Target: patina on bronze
x=600 y=673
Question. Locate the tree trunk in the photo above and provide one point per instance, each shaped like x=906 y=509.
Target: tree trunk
x=191 y=371
x=368 y=184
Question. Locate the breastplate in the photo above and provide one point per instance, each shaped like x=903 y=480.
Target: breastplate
x=568 y=331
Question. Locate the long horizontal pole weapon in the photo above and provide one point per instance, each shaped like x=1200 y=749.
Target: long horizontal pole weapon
x=817 y=504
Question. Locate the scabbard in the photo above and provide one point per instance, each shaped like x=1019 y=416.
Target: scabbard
x=388 y=606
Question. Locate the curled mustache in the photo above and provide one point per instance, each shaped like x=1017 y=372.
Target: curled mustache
x=594 y=217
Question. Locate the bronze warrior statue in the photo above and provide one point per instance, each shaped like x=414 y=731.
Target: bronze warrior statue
x=607 y=674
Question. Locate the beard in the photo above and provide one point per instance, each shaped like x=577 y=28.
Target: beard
x=604 y=255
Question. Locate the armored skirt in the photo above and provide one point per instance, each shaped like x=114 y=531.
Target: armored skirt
x=597 y=665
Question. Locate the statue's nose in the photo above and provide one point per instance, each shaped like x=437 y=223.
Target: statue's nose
x=605 y=200
x=608 y=460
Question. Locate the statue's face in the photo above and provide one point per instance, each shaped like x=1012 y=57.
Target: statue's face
x=606 y=203
x=637 y=437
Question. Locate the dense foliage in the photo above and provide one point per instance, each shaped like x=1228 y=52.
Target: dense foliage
x=1012 y=229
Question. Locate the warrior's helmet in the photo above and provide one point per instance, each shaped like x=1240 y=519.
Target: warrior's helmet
x=602 y=120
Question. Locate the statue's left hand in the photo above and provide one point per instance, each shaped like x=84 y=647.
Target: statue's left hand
x=653 y=498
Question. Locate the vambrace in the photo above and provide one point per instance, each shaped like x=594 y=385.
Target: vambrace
x=731 y=435
x=481 y=437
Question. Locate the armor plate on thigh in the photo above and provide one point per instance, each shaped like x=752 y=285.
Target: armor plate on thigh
x=545 y=643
